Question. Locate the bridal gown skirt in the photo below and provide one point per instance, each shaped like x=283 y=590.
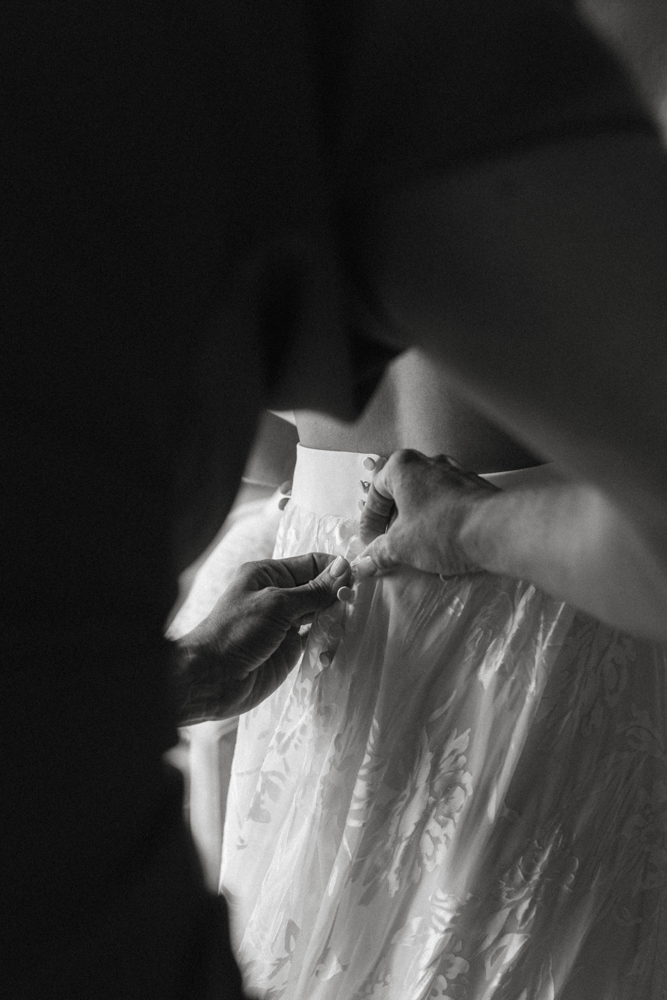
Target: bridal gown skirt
x=465 y=798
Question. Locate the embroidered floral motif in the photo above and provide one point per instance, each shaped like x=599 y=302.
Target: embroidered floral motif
x=379 y=988
x=450 y=983
x=450 y=789
x=468 y=856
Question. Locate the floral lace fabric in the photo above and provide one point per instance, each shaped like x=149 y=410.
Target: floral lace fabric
x=468 y=803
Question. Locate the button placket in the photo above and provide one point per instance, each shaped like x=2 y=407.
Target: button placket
x=369 y=464
x=330 y=623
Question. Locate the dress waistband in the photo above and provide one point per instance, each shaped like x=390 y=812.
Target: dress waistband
x=336 y=482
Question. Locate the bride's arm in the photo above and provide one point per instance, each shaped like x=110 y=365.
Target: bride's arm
x=571 y=542
x=566 y=538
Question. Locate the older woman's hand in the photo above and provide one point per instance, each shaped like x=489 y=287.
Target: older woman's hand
x=414 y=515
x=250 y=641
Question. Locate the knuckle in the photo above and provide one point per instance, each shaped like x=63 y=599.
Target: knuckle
x=406 y=465
x=316 y=588
x=276 y=599
x=408 y=456
x=375 y=518
x=376 y=499
x=247 y=572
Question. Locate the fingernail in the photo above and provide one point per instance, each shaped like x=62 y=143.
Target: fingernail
x=365 y=567
x=338 y=566
x=345 y=594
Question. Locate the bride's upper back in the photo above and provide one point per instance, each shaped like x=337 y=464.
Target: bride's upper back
x=416 y=406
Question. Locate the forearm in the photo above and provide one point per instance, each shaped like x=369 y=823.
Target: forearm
x=570 y=541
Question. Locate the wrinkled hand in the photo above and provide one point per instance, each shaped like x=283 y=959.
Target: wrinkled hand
x=414 y=514
x=250 y=641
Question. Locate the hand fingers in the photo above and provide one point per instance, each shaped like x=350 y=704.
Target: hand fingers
x=285 y=657
x=381 y=487
x=376 y=559
x=472 y=477
x=291 y=572
x=450 y=461
x=375 y=515
x=380 y=508
x=305 y=568
x=379 y=505
x=402 y=465
x=298 y=604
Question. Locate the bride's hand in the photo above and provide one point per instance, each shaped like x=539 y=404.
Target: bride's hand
x=414 y=515
x=250 y=641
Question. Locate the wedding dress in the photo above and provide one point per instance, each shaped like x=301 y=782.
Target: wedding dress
x=459 y=794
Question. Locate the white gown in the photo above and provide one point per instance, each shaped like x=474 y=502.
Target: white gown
x=469 y=802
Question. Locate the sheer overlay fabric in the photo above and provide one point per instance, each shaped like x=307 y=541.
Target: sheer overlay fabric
x=468 y=802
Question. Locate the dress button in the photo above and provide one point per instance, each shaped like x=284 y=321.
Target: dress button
x=282 y=503
x=325 y=659
x=368 y=463
x=345 y=594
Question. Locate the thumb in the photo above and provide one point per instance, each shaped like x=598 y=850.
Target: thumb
x=300 y=602
x=377 y=511
x=377 y=558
